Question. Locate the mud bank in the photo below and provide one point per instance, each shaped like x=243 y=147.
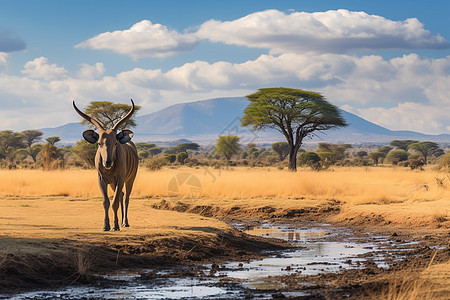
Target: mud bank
x=54 y=242
x=59 y=262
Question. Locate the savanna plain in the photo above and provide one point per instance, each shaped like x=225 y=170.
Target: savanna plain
x=50 y=225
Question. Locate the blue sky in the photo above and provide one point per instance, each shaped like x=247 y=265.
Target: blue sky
x=387 y=61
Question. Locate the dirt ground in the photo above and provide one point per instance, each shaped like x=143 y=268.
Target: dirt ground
x=55 y=241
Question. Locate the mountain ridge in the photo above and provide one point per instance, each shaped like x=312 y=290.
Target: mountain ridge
x=203 y=121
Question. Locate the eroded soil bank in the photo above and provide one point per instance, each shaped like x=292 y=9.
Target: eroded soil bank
x=52 y=242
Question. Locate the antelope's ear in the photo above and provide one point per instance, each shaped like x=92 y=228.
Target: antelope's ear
x=124 y=136
x=91 y=136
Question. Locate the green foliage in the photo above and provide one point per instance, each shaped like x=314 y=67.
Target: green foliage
x=427 y=149
x=376 y=156
x=170 y=158
x=144 y=146
x=310 y=159
x=227 y=145
x=10 y=142
x=397 y=155
x=146 y=150
x=361 y=153
x=337 y=151
x=107 y=114
x=281 y=148
x=444 y=162
x=181 y=157
x=155 y=151
x=402 y=144
x=49 y=154
x=295 y=113
x=85 y=151
x=32 y=136
x=253 y=152
x=182 y=148
x=385 y=149
x=53 y=140
x=155 y=163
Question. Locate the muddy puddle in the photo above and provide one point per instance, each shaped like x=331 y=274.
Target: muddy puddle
x=318 y=250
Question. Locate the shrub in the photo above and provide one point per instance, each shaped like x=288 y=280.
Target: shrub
x=181 y=157
x=444 y=162
x=155 y=163
x=170 y=158
x=310 y=159
x=396 y=156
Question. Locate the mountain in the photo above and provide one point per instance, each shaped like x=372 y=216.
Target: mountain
x=203 y=121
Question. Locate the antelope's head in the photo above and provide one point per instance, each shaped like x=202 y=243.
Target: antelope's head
x=107 y=139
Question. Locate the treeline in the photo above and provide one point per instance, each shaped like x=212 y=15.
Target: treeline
x=27 y=149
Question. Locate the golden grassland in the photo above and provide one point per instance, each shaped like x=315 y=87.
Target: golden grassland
x=399 y=195
x=67 y=204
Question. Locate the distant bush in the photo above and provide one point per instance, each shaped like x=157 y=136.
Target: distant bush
x=181 y=157
x=444 y=162
x=170 y=158
x=310 y=159
x=155 y=163
x=396 y=156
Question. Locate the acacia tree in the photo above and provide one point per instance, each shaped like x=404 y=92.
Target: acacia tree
x=31 y=137
x=293 y=112
x=107 y=114
x=282 y=149
x=10 y=142
x=425 y=148
x=227 y=145
x=402 y=144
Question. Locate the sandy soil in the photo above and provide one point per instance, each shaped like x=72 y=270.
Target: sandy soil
x=54 y=241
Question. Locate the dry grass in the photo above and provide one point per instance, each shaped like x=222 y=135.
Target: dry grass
x=398 y=195
x=353 y=185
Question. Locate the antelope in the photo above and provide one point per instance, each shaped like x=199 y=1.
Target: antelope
x=116 y=162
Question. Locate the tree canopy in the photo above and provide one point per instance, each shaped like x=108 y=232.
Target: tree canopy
x=295 y=113
x=425 y=148
x=281 y=148
x=108 y=113
x=402 y=144
x=227 y=145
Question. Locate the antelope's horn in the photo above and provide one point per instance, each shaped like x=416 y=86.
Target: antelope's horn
x=86 y=117
x=127 y=116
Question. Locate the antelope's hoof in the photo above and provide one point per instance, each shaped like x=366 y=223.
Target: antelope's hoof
x=126 y=225
x=116 y=228
x=106 y=228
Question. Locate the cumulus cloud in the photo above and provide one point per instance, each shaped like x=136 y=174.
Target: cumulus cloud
x=40 y=68
x=3 y=60
x=10 y=42
x=143 y=39
x=408 y=115
x=334 y=31
x=91 y=71
x=398 y=90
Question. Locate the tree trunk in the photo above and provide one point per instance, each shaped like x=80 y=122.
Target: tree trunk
x=292 y=159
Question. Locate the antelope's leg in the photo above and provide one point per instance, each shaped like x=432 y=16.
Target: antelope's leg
x=121 y=207
x=104 y=190
x=117 y=198
x=129 y=187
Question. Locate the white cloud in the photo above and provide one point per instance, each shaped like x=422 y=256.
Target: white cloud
x=91 y=71
x=334 y=31
x=143 y=39
x=412 y=116
x=40 y=68
x=398 y=90
x=3 y=61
